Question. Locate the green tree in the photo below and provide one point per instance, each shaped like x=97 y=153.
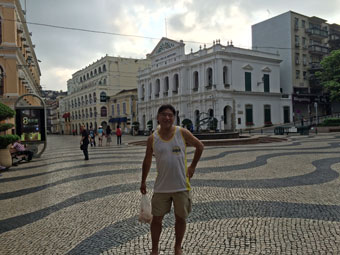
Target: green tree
x=329 y=76
x=5 y=113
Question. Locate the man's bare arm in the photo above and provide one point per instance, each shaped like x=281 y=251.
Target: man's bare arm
x=193 y=141
x=146 y=164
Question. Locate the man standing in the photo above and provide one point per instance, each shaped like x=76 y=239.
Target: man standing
x=168 y=144
x=84 y=142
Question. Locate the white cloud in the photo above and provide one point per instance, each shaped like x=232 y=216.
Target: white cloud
x=63 y=52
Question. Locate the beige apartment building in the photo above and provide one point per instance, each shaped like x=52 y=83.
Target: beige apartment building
x=123 y=109
x=302 y=43
x=90 y=90
x=19 y=67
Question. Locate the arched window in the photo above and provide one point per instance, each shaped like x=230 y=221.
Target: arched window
x=195 y=79
x=209 y=78
x=142 y=92
x=90 y=98
x=90 y=112
x=225 y=76
x=86 y=101
x=158 y=84
x=103 y=97
x=166 y=86
x=87 y=113
x=91 y=73
x=99 y=70
x=94 y=97
x=87 y=75
x=95 y=111
x=103 y=112
x=2 y=77
x=95 y=71
x=104 y=68
x=81 y=79
x=175 y=84
x=82 y=100
x=150 y=90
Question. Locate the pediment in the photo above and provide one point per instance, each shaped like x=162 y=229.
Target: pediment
x=247 y=67
x=164 y=45
x=266 y=69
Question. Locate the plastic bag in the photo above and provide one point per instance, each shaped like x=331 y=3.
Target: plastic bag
x=145 y=215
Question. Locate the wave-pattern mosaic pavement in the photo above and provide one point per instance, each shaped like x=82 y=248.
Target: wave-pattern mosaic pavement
x=278 y=198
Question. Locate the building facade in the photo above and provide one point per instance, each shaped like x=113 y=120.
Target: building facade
x=123 y=109
x=90 y=89
x=239 y=88
x=19 y=67
x=302 y=42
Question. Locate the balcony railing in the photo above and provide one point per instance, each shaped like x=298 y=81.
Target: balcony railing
x=315 y=66
x=317 y=32
x=318 y=49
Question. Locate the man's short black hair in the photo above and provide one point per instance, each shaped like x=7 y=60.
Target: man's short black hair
x=165 y=107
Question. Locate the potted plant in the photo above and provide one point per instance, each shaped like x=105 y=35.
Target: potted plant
x=6 y=139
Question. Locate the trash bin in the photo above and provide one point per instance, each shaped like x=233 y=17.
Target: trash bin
x=279 y=130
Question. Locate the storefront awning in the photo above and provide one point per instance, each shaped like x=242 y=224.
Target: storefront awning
x=118 y=120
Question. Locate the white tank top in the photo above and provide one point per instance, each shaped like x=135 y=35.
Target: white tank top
x=171 y=163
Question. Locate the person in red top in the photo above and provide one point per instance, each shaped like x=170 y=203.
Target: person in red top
x=21 y=150
x=119 y=135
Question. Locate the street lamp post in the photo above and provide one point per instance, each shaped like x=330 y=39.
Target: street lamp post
x=316 y=112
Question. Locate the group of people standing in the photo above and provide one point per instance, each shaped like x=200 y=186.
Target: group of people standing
x=89 y=137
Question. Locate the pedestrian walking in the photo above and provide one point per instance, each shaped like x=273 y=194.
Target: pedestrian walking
x=108 y=136
x=84 y=142
x=168 y=144
x=100 y=136
x=119 y=135
x=92 y=138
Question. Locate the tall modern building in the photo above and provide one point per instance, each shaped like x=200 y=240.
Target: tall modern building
x=302 y=42
x=19 y=67
x=90 y=89
x=239 y=88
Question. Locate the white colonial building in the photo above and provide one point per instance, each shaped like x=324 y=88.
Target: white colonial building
x=238 y=87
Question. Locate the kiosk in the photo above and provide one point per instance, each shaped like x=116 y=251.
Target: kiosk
x=31 y=124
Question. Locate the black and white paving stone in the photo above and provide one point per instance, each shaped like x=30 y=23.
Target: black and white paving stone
x=277 y=198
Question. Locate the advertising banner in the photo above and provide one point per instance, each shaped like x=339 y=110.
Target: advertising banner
x=30 y=124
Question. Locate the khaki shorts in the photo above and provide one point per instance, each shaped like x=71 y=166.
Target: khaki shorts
x=161 y=203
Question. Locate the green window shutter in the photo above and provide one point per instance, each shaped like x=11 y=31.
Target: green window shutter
x=247 y=78
x=249 y=114
x=267 y=115
x=266 y=83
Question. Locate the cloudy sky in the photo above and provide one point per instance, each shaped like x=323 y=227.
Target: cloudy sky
x=132 y=28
